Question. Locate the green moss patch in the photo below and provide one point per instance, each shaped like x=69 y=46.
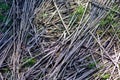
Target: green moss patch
x=4 y=6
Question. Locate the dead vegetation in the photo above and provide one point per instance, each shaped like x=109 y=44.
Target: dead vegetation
x=61 y=40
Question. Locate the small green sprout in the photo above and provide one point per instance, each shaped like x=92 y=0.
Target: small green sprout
x=105 y=76
x=91 y=65
x=29 y=62
x=80 y=10
x=109 y=19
